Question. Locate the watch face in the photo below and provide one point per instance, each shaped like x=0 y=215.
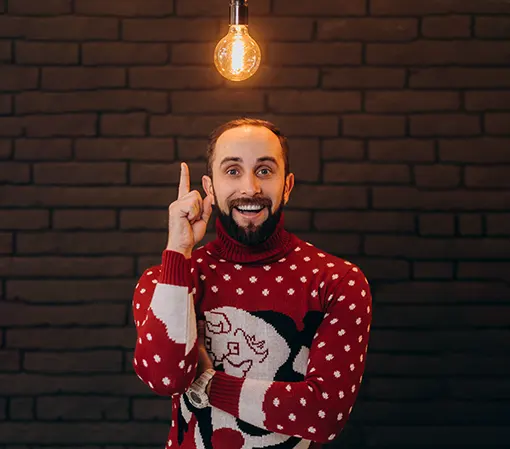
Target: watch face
x=195 y=397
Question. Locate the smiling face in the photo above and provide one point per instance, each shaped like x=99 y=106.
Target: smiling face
x=248 y=182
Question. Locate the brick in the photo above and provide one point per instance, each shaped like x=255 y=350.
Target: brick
x=297 y=220
x=436 y=248
x=80 y=173
x=344 y=173
x=402 y=198
x=497 y=124
x=37 y=196
x=304 y=159
x=127 y=8
x=438 y=53
x=5 y=149
x=18 y=314
x=295 y=101
x=90 y=243
x=151 y=409
x=341 y=245
x=146 y=149
x=81 y=338
x=5 y=51
x=342 y=149
x=408 y=150
x=483 y=150
x=164 y=174
x=450 y=292
x=456 y=77
x=448 y=26
x=124 y=53
x=436 y=224
x=191 y=149
x=73 y=362
x=170 y=30
x=9 y=360
x=55 y=266
x=46 y=53
x=437 y=176
x=18 y=78
x=217 y=8
x=484 y=100
x=71 y=28
x=320 y=8
x=100 y=100
x=498 y=224
x=373 y=126
x=367 y=29
x=80 y=408
x=485 y=270
x=11 y=126
x=382 y=268
x=6 y=243
x=144 y=220
x=274 y=29
x=49 y=7
x=82 y=78
x=83 y=219
x=56 y=434
x=61 y=125
x=23 y=219
x=5 y=104
x=14 y=173
x=327 y=197
x=492 y=27
x=287 y=77
x=312 y=53
x=404 y=7
x=218 y=101
x=201 y=126
x=171 y=77
x=433 y=270
x=487 y=177
x=133 y=124
x=42 y=149
x=364 y=221
x=469 y=224
x=411 y=101
x=445 y=125
x=21 y=409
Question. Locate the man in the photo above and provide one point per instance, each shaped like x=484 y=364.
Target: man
x=278 y=355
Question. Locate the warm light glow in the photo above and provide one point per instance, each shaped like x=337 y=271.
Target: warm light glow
x=237 y=55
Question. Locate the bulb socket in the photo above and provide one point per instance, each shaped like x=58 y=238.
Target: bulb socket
x=238 y=12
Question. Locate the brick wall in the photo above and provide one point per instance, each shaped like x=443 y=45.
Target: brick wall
x=398 y=115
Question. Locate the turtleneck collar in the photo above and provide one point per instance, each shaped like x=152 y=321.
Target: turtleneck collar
x=279 y=244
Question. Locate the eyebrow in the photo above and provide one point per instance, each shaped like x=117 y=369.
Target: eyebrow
x=240 y=159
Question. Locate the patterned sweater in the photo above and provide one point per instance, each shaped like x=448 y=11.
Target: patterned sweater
x=286 y=327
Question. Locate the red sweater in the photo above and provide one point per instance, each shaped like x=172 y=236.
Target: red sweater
x=287 y=329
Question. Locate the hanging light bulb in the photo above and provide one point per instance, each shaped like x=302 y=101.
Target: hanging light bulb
x=237 y=55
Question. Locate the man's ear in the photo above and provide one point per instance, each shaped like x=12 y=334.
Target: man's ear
x=289 y=185
x=208 y=186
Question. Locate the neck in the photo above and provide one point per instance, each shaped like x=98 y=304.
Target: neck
x=276 y=246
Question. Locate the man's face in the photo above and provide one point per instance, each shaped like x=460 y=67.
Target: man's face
x=248 y=182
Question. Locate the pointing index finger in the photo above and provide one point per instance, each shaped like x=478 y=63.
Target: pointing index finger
x=184 y=185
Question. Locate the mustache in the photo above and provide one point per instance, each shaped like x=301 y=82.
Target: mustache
x=264 y=202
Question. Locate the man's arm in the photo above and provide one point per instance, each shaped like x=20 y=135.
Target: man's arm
x=318 y=407
x=166 y=350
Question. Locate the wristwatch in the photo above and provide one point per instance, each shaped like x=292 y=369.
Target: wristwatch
x=196 y=392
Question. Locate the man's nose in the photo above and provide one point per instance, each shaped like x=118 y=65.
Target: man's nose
x=250 y=185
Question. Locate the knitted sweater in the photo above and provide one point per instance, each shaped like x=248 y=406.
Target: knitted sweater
x=286 y=327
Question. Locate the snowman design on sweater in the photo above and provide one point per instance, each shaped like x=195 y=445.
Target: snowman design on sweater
x=286 y=327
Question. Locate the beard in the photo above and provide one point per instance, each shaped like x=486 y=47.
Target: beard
x=251 y=235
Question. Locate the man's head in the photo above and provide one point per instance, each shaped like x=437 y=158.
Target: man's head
x=248 y=167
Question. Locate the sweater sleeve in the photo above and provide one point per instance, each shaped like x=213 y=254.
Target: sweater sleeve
x=165 y=356
x=318 y=407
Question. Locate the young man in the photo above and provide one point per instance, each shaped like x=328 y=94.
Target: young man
x=259 y=337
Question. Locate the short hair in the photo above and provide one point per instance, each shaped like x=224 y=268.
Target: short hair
x=245 y=121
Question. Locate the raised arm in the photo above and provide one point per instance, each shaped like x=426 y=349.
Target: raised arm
x=318 y=407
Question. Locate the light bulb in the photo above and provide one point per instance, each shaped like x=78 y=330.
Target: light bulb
x=237 y=55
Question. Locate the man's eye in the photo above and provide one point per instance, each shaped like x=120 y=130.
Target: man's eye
x=265 y=170
x=229 y=172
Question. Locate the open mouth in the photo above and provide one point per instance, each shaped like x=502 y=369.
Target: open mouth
x=249 y=211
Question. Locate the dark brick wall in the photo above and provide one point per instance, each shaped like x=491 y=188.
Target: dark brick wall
x=398 y=114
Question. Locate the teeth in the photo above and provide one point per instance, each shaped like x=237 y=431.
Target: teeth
x=250 y=208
